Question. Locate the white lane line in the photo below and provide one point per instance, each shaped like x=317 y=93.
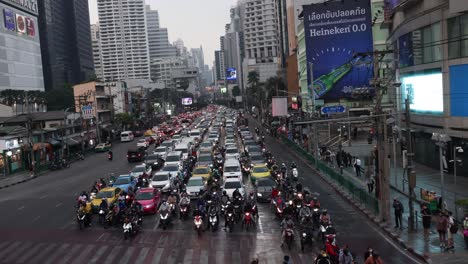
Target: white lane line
x=128 y=254
x=156 y=225
x=204 y=256
x=99 y=238
x=20 y=208
x=112 y=255
x=188 y=256
x=56 y=253
x=142 y=256
x=83 y=254
x=37 y=218
x=260 y=225
x=31 y=252
x=59 y=204
x=157 y=255
x=74 y=249
x=43 y=196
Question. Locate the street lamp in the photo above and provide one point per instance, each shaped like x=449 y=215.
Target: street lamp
x=441 y=141
x=457 y=149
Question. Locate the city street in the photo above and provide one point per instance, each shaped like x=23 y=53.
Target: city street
x=39 y=226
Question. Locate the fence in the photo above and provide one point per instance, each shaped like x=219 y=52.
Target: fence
x=358 y=194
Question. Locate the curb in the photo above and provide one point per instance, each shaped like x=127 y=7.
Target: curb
x=22 y=181
x=421 y=256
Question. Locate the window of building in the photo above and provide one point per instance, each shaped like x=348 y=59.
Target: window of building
x=458 y=36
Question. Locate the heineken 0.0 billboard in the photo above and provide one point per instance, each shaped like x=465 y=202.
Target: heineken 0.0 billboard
x=337 y=34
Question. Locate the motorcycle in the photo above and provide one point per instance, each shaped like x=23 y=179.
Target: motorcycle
x=230 y=221
x=247 y=221
x=213 y=220
x=109 y=156
x=289 y=237
x=109 y=220
x=198 y=221
x=306 y=237
x=164 y=219
x=237 y=208
x=316 y=217
x=81 y=218
x=65 y=163
x=278 y=210
x=102 y=216
x=295 y=174
x=183 y=211
x=127 y=228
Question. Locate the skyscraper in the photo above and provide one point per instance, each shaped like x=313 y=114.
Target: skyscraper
x=158 y=39
x=124 y=40
x=97 y=55
x=65 y=37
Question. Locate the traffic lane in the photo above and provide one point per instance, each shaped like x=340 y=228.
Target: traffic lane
x=54 y=193
x=353 y=228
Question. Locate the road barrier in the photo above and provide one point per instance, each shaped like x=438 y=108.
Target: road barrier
x=356 y=192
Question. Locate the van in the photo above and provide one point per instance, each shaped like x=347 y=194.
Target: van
x=126 y=136
x=170 y=144
x=185 y=148
x=232 y=169
x=174 y=157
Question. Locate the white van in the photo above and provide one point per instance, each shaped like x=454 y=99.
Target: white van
x=232 y=169
x=174 y=157
x=126 y=136
x=185 y=148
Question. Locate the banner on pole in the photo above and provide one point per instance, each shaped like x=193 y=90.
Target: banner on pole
x=279 y=106
x=87 y=111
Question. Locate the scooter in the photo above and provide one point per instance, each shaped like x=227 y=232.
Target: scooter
x=109 y=156
x=289 y=237
x=247 y=221
x=198 y=221
x=127 y=229
x=164 y=219
x=102 y=216
x=230 y=221
x=306 y=237
x=295 y=174
x=183 y=211
x=213 y=219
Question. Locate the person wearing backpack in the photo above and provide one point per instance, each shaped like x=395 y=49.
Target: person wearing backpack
x=442 y=226
x=452 y=230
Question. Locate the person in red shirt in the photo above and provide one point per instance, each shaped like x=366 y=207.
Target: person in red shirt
x=331 y=249
x=274 y=193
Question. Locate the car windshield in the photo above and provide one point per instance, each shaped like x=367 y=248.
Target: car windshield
x=120 y=181
x=161 y=177
x=260 y=169
x=231 y=169
x=171 y=168
x=183 y=150
x=172 y=158
x=254 y=149
x=201 y=171
x=204 y=158
x=195 y=182
x=257 y=158
x=231 y=151
x=160 y=150
x=266 y=183
x=144 y=196
x=152 y=157
x=232 y=185
x=250 y=143
x=139 y=169
x=101 y=195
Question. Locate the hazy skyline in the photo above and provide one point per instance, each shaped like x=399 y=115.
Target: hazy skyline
x=196 y=22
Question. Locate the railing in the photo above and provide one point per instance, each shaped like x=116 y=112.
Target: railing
x=358 y=193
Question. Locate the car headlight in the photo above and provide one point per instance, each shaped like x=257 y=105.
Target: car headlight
x=259 y=195
x=304 y=234
x=148 y=206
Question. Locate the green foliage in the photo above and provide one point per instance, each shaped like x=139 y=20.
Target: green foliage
x=10 y=97
x=236 y=91
x=124 y=119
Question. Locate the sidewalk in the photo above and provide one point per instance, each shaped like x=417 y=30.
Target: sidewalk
x=17 y=178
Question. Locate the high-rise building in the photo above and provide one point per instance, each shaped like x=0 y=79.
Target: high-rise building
x=181 y=49
x=67 y=56
x=158 y=38
x=220 y=67
x=198 y=57
x=97 y=54
x=124 y=40
x=20 y=47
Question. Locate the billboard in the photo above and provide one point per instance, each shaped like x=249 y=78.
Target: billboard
x=9 y=19
x=458 y=105
x=30 y=27
x=425 y=92
x=335 y=32
x=187 y=101
x=20 y=24
x=231 y=74
x=279 y=106
x=87 y=112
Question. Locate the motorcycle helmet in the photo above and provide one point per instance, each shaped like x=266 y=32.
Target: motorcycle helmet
x=315 y=199
x=324 y=211
x=228 y=203
x=224 y=193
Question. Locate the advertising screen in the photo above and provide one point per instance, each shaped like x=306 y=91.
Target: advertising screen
x=20 y=24
x=30 y=27
x=335 y=33
x=458 y=105
x=231 y=74
x=9 y=19
x=425 y=92
x=279 y=106
x=187 y=101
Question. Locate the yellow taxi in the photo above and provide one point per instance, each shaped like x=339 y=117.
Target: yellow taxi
x=259 y=171
x=202 y=171
x=110 y=193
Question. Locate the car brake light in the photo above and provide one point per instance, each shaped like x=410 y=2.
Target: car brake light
x=128 y=155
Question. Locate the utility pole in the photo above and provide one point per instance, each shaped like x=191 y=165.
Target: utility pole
x=29 y=128
x=410 y=168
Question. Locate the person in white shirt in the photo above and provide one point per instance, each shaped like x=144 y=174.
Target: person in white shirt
x=357 y=166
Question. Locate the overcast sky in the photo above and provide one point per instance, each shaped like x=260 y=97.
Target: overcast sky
x=196 y=22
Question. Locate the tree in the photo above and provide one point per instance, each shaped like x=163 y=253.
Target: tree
x=253 y=88
x=275 y=86
x=236 y=91
x=124 y=120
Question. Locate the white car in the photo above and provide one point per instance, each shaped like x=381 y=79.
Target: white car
x=232 y=152
x=161 y=180
x=172 y=169
x=140 y=169
x=231 y=184
x=142 y=143
x=194 y=185
x=161 y=152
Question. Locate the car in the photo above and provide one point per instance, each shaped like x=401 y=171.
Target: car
x=204 y=160
x=206 y=145
x=194 y=184
x=232 y=169
x=124 y=182
x=139 y=170
x=154 y=160
x=232 y=152
x=142 y=143
x=259 y=171
x=149 y=199
x=162 y=181
x=170 y=144
x=230 y=185
x=253 y=149
x=172 y=169
x=264 y=187
x=229 y=142
x=174 y=157
x=103 y=147
x=136 y=154
x=202 y=171
x=256 y=158
x=249 y=142
x=111 y=194
x=161 y=151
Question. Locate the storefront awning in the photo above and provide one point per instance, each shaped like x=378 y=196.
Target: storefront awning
x=54 y=142
x=41 y=145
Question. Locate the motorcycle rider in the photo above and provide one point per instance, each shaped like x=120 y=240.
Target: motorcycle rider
x=103 y=183
x=299 y=187
x=304 y=214
x=172 y=200
x=200 y=206
x=229 y=210
x=314 y=203
x=293 y=165
x=236 y=194
x=332 y=250
x=104 y=205
x=324 y=217
x=127 y=225
x=289 y=209
x=164 y=206
x=286 y=224
x=184 y=200
x=110 y=155
x=83 y=198
x=224 y=198
x=248 y=209
x=283 y=169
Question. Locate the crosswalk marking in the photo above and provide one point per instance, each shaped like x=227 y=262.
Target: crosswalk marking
x=98 y=254
x=128 y=254
x=57 y=253
x=112 y=255
x=71 y=252
x=15 y=254
x=30 y=253
x=203 y=257
x=236 y=257
x=83 y=254
x=8 y=249
x=142 y=256
x=157 y=255
x=188 y=256
x=46 y=251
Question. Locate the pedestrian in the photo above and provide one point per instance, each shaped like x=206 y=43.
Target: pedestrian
x=345 y=256
x=442 y=225
x=350 y=158
x=452 y=230
x=339 y=160
x=286 y=260
x=465 y=230
x=370 y=184
x=357 y=166
x=345 y=159
x=426 y=219
x=398 y=210
x=374 y=258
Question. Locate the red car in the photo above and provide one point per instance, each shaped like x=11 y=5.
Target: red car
x=149 y=200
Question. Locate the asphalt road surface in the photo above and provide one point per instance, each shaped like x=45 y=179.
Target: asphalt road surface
x=37 y=225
